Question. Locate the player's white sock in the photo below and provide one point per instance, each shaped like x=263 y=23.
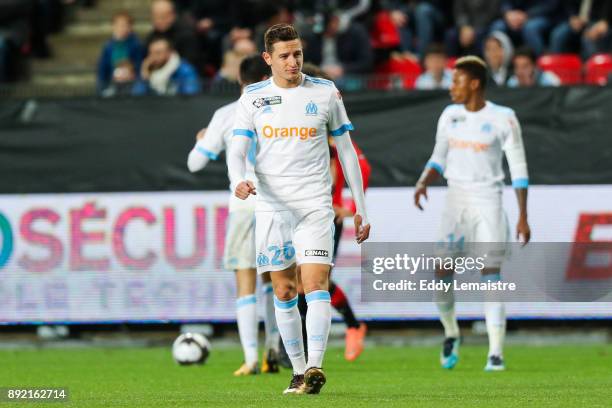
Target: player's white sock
x=269 y=317
x=446 y=306
x=318 y=322
x=246 y=310
x=495 y=316
x=290 y=327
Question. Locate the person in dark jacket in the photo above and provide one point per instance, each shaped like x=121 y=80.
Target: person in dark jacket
x=164 y=72
x=14 y=33
x=340 y=53
x=586 y=28
x=179 y=33
x=472 y=21
x=528 y=21
x=122 y=50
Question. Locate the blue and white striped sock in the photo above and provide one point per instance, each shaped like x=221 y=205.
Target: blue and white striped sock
x=290 y=327
x=246 y=311
x=318 y=322
x=269 y=317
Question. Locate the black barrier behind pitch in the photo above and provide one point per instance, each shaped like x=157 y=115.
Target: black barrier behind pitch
x=94 y=145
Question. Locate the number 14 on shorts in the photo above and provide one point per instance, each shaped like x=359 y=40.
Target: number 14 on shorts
x=277 y=255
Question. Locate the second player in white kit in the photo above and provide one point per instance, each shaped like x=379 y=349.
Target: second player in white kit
x=290 y=116
x=472 y=137
x=239 y=252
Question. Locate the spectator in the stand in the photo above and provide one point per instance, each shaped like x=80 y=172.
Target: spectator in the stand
x=498 y=52
x=586 y=29
x=14 y=34
x=436 y=75
x=419 y=23
x=124 y=46
x=340 y=53
x=528 y=21
x=226 y=78
x=472 y=21
x=527 y=74
x=429 y=22
x=213 y=20
x=276 y=13
x=180 y=34
x=164 y=72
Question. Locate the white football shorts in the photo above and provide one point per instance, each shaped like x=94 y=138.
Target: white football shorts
x=297 y=236
x=239 y=250
x=475 y=231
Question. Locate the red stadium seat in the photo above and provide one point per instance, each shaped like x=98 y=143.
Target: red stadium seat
x=398 y=73
x=568 y=67
x=598 y=67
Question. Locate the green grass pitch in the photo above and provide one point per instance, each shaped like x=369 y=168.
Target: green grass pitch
x=559 y=376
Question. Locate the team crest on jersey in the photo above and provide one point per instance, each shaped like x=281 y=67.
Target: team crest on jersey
x=270 y=100
x=311 y=109
x=486 y=128
x=262 y=260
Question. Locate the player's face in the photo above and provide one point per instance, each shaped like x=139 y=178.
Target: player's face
x=286 y=59
x=461 y=87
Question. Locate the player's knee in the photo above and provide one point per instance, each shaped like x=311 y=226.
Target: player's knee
x=312 y=285
x=285 y=290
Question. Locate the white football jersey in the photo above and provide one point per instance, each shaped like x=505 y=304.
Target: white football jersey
x=218 y=138
x=470 y=146
x=291 y=126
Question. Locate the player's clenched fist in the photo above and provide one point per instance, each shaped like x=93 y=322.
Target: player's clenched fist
x=244 y=189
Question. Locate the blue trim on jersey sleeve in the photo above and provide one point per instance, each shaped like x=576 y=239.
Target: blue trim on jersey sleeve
x=342 y=129
x=435 y=166
x=281 y=304
x=207 y=153
x=244 y=132
x=318 y=295
x=246 y=300
x=257 y=85
x=321 y=81
x=520 y=183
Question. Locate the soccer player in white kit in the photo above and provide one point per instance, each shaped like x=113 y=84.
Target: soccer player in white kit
x=290 y=116
x=239 y=253
x=472 y=136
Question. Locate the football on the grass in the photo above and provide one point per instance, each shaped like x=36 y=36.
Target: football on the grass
x=190 y=348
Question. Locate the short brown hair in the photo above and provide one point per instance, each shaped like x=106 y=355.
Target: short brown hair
x=123 y=14
x=279 y=32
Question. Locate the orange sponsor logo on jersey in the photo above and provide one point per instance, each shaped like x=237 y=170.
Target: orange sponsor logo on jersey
x=468 y=144
x=302 y=133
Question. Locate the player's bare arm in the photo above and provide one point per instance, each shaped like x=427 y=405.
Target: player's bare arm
x=429 y=176
x=523 y=232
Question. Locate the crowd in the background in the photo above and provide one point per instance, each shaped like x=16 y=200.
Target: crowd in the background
x=24 y=27
x=196 y=45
